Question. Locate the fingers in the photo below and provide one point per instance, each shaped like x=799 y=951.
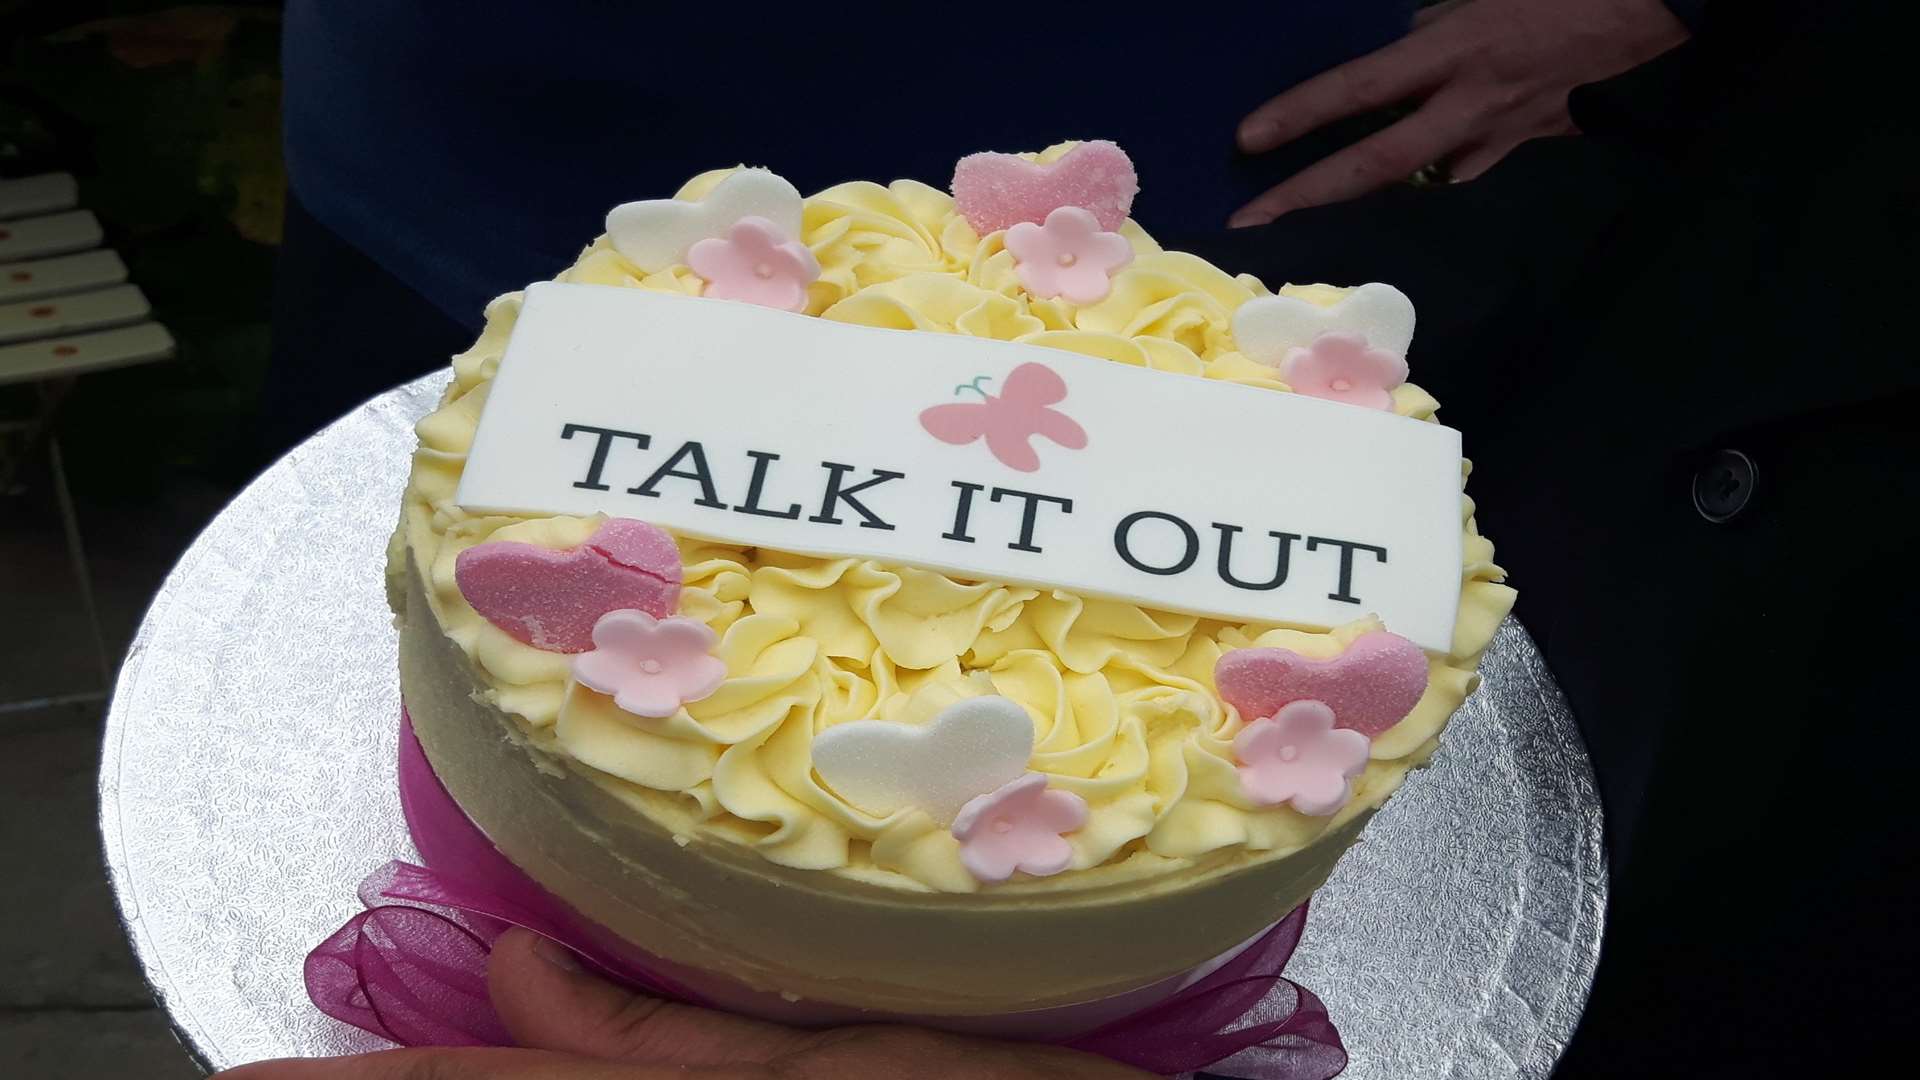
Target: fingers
x=1394 y=153
x=441 y=1063
x=1469 y=162
x=1380 y=78
x=1477 y=156
x=548 y=1003
x=1435 y=11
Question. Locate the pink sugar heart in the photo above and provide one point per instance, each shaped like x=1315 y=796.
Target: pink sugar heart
x=1370 y=687
x=551 y=599
x=998 y=191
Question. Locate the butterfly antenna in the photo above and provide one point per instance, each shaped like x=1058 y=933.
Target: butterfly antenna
x=973 y=386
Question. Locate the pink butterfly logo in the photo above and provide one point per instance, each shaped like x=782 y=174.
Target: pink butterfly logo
x=1010 y=421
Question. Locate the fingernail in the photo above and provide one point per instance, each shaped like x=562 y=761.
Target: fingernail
x=1243 y=220
x=1252 y=136
x=558 y=955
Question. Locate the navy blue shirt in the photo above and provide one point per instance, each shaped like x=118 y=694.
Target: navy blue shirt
x=470 y=148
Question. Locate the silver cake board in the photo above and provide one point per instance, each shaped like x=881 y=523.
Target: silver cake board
x=247 y=784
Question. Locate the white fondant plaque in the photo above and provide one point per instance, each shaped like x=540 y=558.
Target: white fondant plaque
x=984 y=459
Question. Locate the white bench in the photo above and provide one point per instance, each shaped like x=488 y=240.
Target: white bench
x=65 y=310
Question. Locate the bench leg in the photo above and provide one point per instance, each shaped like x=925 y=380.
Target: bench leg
x=77 y=555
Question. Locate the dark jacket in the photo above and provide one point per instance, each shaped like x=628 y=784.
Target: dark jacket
x=1681 y=350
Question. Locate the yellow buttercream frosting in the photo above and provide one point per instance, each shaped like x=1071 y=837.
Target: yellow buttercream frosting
x=1121 y=697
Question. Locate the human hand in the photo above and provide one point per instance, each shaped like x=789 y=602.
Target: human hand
x=574 y=1026
x=1489 y=74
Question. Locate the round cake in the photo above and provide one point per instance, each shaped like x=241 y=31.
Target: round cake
x=733 y=813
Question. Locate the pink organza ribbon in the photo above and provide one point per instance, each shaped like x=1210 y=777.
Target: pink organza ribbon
x=412 y=967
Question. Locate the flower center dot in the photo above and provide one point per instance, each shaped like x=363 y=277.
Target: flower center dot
x=763 y=270
x=1002 y=825
x=1066 y=258
x=1342 y=384
x=651 y=667
x=1288 y=753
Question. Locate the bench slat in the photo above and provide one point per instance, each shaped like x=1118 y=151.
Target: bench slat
x=80 y=353
x=58 y=315
x=36 y=278
x=53 y=234
x=41 y=194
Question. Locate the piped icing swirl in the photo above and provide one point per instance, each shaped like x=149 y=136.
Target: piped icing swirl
x=1122 y=700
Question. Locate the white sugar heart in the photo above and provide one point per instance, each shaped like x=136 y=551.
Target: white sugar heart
x=974 y=746
x=656 y=233
x=1267 y=327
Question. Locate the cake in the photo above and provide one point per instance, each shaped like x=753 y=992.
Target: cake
x=868 y=785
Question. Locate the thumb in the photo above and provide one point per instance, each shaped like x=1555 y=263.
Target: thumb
x=549 y=1002
x=431 y=1062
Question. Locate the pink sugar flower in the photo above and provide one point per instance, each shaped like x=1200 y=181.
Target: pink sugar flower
x=1069 y=256
x=1298 y=756
x=650 y=666
x=1018 y=827
x=1340 y=366
x=755 y=262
